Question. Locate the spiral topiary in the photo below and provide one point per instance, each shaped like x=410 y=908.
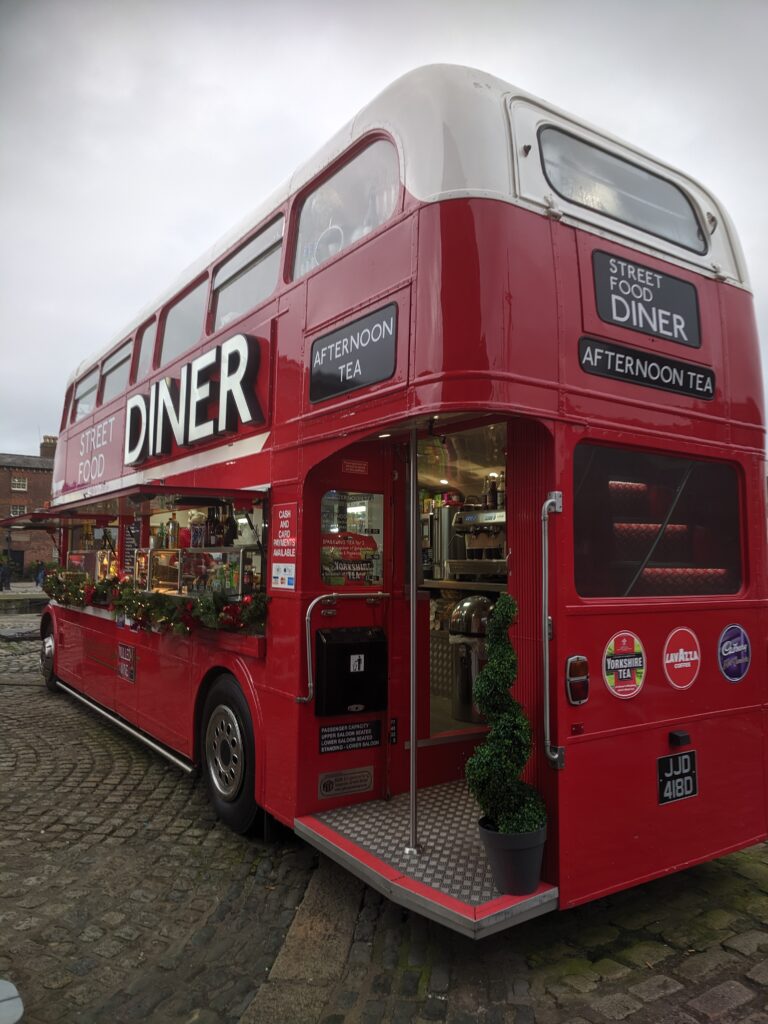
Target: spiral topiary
x=493 y=771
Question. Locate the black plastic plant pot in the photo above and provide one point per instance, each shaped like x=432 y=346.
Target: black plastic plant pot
x=514 y=858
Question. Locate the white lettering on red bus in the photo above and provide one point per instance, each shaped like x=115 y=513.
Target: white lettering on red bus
x=179 y=410
x=92 y=464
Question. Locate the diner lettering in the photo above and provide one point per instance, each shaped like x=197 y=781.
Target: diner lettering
x=645 y=300
x=213 y=394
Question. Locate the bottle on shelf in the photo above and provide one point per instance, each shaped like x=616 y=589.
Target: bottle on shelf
x=493 y=493
x=172 y=532
x=230 y=527
x=161 y=536
x=209 y=534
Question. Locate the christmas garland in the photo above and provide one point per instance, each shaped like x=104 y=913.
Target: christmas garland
x=161 y=612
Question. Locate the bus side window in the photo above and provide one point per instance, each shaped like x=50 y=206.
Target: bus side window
x=146 y=343
x=352 y=538
x=85 y=396
x=351 y=203
x=249 y=276
x=115 y=372
x=184 y=322
x=65 y=411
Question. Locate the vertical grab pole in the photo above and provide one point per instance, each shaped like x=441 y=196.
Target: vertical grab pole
x=554 y=503
x=413 y=502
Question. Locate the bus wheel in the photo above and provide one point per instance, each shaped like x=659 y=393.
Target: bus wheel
x=47 y=652
x=229 y=754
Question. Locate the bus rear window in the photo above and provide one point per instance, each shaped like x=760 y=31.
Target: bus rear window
x=649 y=525
x=356 y=200
x=600 y=181
x=248 y=277
x=184 y=323
x=85 y=395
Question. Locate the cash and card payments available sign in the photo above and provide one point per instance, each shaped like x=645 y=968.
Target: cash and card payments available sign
x=283 y=560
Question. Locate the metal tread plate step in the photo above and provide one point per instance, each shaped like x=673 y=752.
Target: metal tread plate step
x=448 y=879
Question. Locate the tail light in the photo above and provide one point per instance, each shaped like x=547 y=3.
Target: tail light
x=577 y=679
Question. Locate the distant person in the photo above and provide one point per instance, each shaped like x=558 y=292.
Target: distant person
x=40 y=575
x=5 y=576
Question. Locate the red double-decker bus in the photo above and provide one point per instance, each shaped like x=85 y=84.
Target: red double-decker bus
x=473 y=347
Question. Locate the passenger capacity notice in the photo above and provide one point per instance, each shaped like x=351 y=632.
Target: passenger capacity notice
x=349 y=736
x=283 y=560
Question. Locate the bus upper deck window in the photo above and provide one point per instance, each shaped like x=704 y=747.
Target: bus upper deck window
x=85 y=395
x=146 y=342
x=184 y=323
x=249 y=276
x=352 y=202
x=115 y=373
x=598 y=180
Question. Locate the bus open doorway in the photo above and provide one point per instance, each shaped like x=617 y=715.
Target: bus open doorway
x=461 y=507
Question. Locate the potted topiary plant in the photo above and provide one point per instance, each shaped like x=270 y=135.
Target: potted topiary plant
x=514 y=823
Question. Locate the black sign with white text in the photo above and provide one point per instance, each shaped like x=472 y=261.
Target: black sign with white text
x=349 y=736
x=359 y=354
x=645 y=300
x=619 y=362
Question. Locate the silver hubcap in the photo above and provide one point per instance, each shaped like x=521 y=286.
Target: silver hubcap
x=46 y=656
x=224 y=752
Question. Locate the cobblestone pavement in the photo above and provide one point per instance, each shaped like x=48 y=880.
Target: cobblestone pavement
x=121 y=899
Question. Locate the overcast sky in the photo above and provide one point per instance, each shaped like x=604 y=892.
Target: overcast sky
x=134 y=133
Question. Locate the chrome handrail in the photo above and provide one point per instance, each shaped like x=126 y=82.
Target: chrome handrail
x=554 y=503
x=378 y=594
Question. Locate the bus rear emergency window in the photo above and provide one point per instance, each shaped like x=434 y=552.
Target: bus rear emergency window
x=598 y=180
x=649 y=525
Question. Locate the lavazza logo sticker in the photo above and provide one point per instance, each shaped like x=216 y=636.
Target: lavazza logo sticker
x=682 y=658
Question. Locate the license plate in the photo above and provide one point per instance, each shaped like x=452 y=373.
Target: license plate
x=677 y=777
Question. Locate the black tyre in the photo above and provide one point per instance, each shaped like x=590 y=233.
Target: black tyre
x=47 y=658
x=228 y=754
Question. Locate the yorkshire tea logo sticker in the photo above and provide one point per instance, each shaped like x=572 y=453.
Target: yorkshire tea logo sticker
x=624 y=665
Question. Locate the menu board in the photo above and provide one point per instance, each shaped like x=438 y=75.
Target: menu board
x=130 y=537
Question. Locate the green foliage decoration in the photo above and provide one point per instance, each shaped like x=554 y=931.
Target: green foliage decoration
x=493 y=771
x=175 y=613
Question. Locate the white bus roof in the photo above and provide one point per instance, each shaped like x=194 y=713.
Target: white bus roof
x=454 y=128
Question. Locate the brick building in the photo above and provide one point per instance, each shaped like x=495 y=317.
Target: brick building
x=25 y=484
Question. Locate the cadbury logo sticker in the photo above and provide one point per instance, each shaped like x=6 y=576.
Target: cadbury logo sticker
x=734 y=653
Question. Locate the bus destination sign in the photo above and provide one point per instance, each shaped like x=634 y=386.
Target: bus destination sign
x=619 y=362
x=358 y=354
x=645 y=300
